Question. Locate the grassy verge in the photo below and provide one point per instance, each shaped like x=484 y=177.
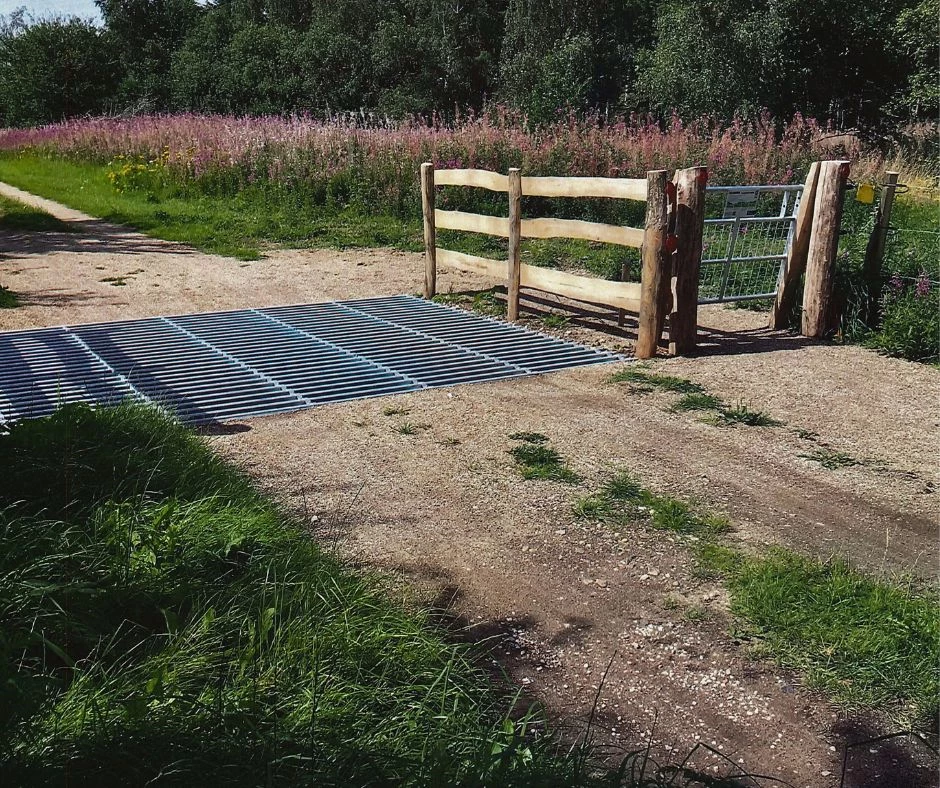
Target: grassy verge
x=867 y=643
x=235 y=225
x=17 y=217
x=161 y=621
x=242 y=224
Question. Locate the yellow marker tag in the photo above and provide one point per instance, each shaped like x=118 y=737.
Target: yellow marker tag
x=865 y=193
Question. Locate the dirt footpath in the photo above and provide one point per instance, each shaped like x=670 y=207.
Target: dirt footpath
x=566 y=600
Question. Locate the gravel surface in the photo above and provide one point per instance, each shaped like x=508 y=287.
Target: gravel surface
x=564 y=602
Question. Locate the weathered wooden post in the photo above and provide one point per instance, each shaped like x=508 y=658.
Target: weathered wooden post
x=796 y=256
x=875 y=251
x=430 y=233
x=690 y=225
x=823 y=247
x=515 y=238
x=656 y=274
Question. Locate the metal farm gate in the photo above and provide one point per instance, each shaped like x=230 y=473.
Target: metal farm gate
x=744 y=247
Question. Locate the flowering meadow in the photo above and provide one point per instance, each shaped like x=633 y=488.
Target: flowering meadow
x=372 y=164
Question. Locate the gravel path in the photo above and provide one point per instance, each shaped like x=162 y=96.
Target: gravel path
x=566 y=600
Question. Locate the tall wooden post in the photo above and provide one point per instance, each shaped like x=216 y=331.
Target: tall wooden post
x=875 y=251
x=796 y=256
x=823 y=247
x=656 y=272
x=430 y=233
x=515 y=238
x=690 y=224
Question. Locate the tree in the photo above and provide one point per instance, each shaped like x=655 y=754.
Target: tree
x=52 y=70
x=917 y=36
x=144 y=34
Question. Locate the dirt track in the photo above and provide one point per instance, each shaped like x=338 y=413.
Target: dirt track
x=445 y=508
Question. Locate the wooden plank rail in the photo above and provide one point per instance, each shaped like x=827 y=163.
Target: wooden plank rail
x=622 y=295
x=482 y=179
x=587 y=231
x=496 y=269
x=472 y=223
x=616 y=188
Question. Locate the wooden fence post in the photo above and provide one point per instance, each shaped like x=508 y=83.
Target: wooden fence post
x=796 y=257
x=823 y=247
x=690 y=224
x=430 y=233
x=656 y=271
x=875 y=251
x=515 y=237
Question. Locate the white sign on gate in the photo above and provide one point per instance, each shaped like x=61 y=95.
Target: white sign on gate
x=740 y=204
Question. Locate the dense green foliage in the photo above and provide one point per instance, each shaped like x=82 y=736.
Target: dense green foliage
x=161 y=622
x=853 y=62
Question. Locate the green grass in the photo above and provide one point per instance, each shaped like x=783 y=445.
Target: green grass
x=832 y=459
x=865 y=642
x=8 y=299
x=694 y=398
x=696 y=401
x=238 y=225
x=741 y=414
x=529 y=437
x=621 y=500
x=242 y=224
x=536 y=459
x=18 y=217
x=162 y=621
x=555 y=321
x=657 y=381
x=488 y=303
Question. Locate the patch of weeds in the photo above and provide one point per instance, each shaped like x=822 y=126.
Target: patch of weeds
x=391 y=410
x=655 y=380
x=450 y=441
x=742 y=414
x=487 y=303
x=19 y=217
x=622 y=499
x=8 y=299
x=529 y=437
x=806 y=435
x=537 y=460
x=450 y=298
x=865 y=642
x=407 y=428
x=696 y=401
x=695 y=613
x=555 y=321
x=714 y=561
x=832 y=459
x=115 y=281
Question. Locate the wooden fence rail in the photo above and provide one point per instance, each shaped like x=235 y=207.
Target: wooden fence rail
x=651 y=298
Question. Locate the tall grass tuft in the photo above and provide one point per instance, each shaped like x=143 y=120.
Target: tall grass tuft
x=161 y=622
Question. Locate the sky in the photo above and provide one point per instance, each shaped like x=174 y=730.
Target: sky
x=40 y=8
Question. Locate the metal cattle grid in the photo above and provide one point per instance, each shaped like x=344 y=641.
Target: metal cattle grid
x=255 y=362
x=744 y=250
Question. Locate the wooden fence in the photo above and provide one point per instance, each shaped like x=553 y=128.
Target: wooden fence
x=671 y=208
x=670 y=244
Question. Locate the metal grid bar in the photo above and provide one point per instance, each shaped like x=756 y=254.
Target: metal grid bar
x=244 y=363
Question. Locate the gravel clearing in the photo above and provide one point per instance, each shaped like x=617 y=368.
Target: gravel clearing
x=569 y=604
